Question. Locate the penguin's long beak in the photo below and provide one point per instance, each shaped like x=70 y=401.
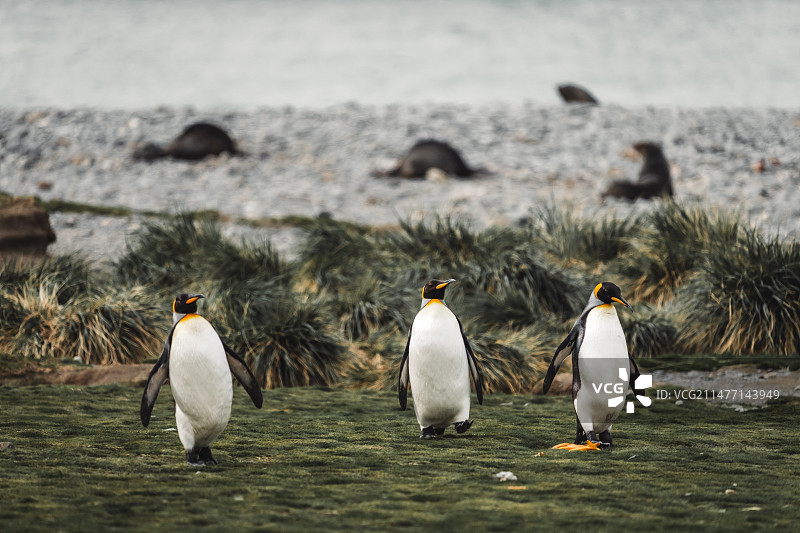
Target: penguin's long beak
x=445 y=284
x=193 y=298
x=622 y=301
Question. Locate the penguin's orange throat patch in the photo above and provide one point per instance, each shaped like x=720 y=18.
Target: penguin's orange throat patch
x=431 y=301
x=188 y=316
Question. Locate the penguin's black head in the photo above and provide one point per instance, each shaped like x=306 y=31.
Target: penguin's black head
x=608 y=293
x=186 y=303
x=434 y=289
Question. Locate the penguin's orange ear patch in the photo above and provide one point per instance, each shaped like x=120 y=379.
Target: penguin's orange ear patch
x=597 y=289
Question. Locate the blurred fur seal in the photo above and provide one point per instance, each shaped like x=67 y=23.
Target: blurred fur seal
x=197 y=141
x=428 y=154
x=572 y=94
x=654 y=179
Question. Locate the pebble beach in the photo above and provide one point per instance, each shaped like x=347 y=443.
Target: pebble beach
x=304 y=161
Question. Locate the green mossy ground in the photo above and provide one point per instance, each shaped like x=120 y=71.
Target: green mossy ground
x=344 y=460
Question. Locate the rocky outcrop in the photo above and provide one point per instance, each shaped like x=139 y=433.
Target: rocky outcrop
x=24 y=227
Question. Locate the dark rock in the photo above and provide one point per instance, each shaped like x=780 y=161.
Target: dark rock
x=24 y=227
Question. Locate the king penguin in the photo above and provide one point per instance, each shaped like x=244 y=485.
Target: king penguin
x=198 y=365
x=438 y=362
x=602 y=368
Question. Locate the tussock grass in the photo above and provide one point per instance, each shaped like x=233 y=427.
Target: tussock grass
x=29 y=319
x=285 y=340
x=341 y=312
x=451 y=243
x=60 y=308
x=650 y=331
x=67 y=275
x=116 y=328
x=370 y=306
x=185 y=250
x=335 y=252
x=673 y=242
x=296 y=351
x=376 y=361
x=570 y=238
x=257 y=264
x=744 y=299
x=512 y=362
x=169 y=254
x=525 y=283
x=508 y=309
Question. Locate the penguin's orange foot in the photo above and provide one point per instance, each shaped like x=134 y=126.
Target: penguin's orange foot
x=577 y=447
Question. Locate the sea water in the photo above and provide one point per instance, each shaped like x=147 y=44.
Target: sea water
x=242 y=54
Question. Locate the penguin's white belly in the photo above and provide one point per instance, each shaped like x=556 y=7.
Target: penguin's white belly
x=603 y=353
x=200 y=381
x=438 y=368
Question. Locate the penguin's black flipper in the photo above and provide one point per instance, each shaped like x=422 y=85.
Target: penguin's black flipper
x=158 y=375
x=566 y=347
x=473 y=365
x=402 y=379
x=243 y=375
x=635 y=374
x=580 y=434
